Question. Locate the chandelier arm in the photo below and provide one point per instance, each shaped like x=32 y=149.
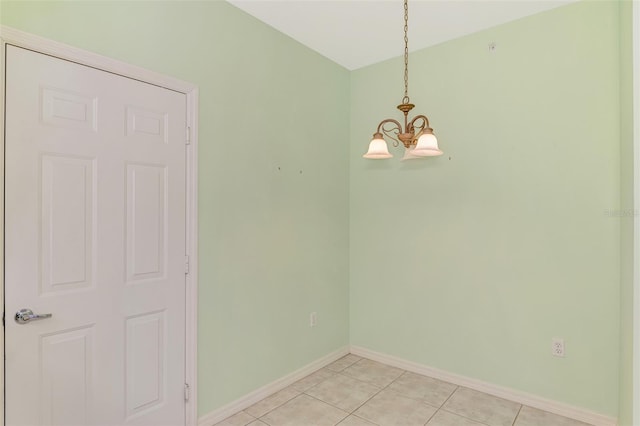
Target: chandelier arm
x=396 y=123
x=415 y=123
x=392 y=132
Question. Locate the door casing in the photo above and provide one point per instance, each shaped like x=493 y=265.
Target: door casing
x=39 y=44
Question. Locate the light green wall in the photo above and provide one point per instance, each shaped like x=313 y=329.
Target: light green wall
x=274 y=129
x=626 y=221
x=471 y=262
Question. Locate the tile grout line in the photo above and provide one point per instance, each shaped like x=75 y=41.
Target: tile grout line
x=443 y=403
x=278 y=406
x=431 y=417
x=517 y=415
x=332 y=406
x=377 y=393
x=465 y=417
x=451 y=412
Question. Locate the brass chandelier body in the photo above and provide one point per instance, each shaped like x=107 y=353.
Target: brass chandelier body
x=416 y=135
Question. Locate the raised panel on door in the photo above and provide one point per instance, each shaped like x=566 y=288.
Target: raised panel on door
x=146 y=221
x=68 y=203
x=66 y=369
x=145 y=362
x=63 y=108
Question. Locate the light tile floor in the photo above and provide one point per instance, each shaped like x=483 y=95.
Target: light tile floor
x=356 y=391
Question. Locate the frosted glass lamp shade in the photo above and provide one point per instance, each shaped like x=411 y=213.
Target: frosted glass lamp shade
x=427 y=145
x=378 y=149
x=408 y=154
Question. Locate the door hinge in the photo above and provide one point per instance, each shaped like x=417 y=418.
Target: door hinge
x=186 y=265
x=187 y=392
x=188 y=139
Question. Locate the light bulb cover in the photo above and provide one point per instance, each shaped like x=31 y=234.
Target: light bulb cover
x=427 y=145
x=408 y=154
x=378 y=149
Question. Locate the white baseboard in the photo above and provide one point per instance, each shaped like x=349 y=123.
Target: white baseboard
x=251 y=398
x=523 y=398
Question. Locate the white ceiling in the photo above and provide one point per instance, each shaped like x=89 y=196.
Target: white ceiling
x=356 y=33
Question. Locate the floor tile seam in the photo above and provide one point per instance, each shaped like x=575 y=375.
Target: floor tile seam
x=320 y=382
x=365 y=381
x=422 y=399
x=359 y=380
x=492 y=396
x=517 y=415
x=265 y=422
x=466 y=417
x=278 y=406
x=372 y=396
x=338 y=371
x=380 y=363
x=362 y=418
x=392 y=380
x=254 y=418
x=430 y=417
x=331 y=405
x=447 y=400
x=335 y=406
x=343 y=368
x=376 y=394
x=380 y=389
x=433 y=378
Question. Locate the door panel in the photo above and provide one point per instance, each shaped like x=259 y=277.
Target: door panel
x=145 y=362
x=95 y=235
x=66 y=376
x=67 y=222
x=146 y=221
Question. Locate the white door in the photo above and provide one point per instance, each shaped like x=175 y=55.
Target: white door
x=95 y=236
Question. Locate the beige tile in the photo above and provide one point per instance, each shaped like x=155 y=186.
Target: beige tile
x=355 y=421
x=312 y=379
x=373 y=372
x=343 y=392
x=390 y=408
x=238 y=419
x=269 y=403
x=344 y=362
x=481 y=407
x=257 y=423
x=426 y=389
x=533 y=417
x=444 y=418
x=304 y=410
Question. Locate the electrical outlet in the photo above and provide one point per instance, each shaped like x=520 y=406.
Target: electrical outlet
x=557 y=347
x=313 y=319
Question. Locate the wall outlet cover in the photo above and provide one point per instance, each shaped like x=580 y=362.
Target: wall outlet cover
x=557 y=347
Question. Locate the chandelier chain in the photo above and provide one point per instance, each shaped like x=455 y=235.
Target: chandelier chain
x=405 y=100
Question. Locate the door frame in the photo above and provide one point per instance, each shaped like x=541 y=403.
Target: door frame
x=43 y=45
x=636 y=185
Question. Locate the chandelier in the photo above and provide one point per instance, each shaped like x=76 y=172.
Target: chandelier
x=416 y=136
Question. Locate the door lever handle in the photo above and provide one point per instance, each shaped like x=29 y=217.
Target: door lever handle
x=23 y=316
